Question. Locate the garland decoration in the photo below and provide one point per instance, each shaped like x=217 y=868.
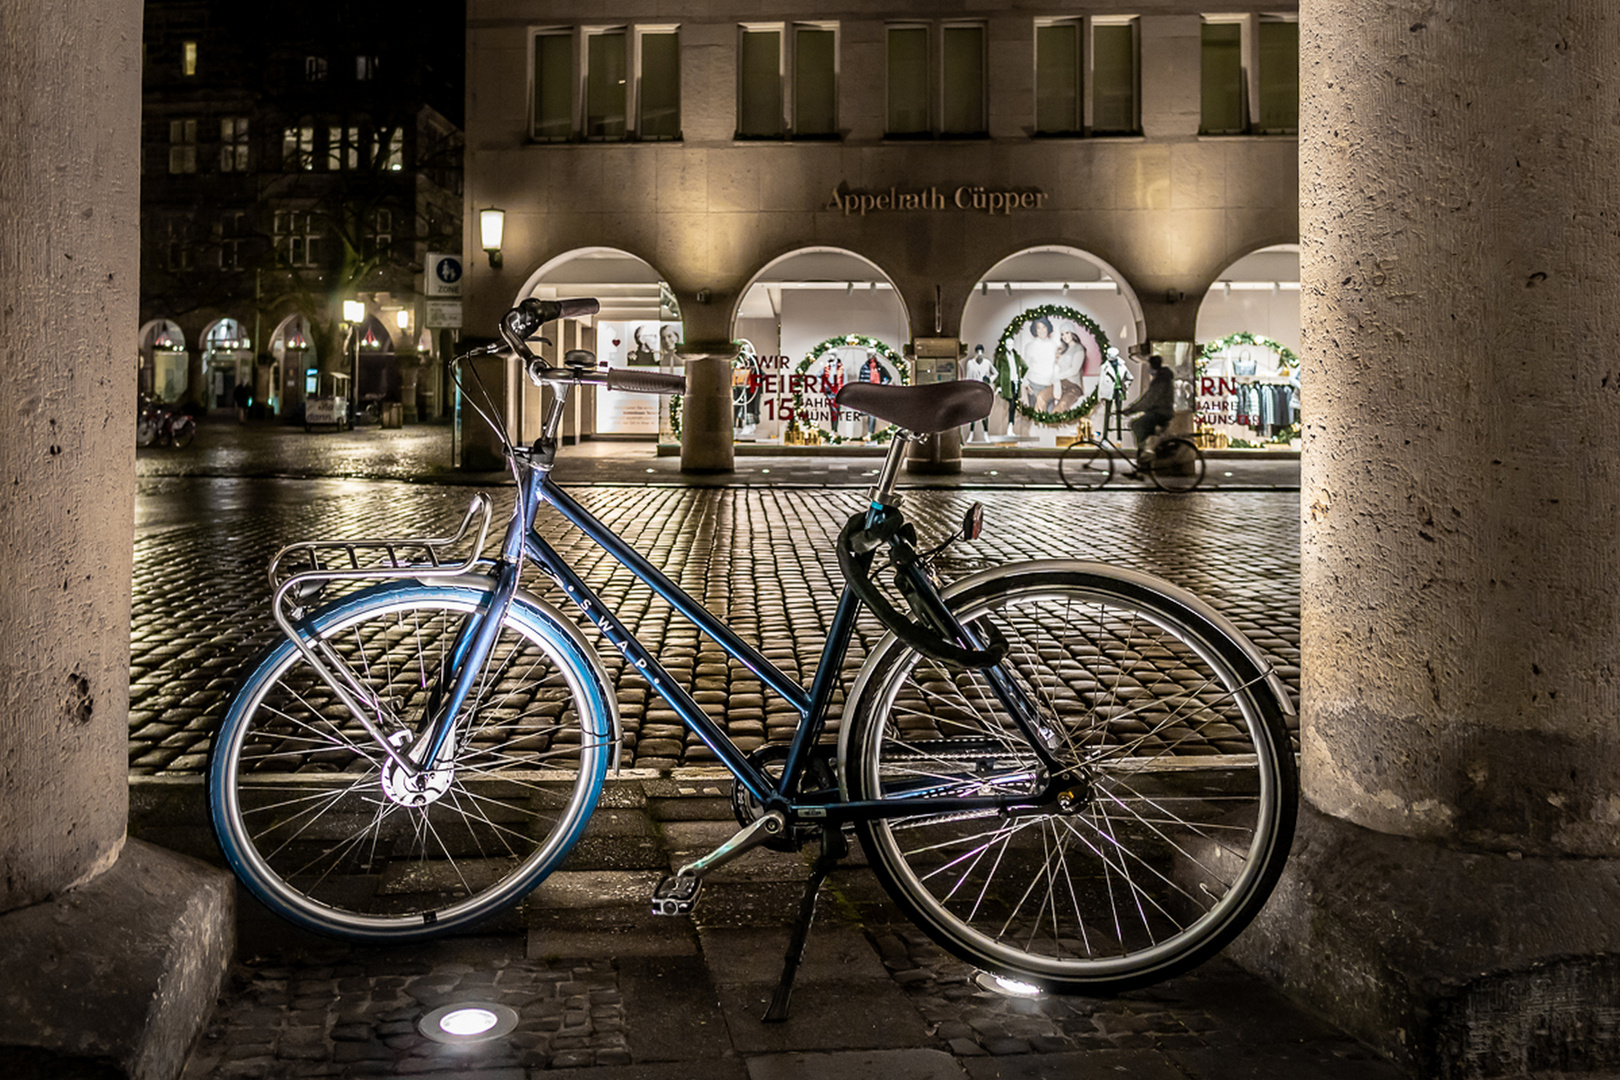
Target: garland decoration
x=1010 y=367
x=1288 y=361
x=900 y=364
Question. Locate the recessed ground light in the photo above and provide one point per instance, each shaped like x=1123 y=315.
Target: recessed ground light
x=468 y=1022
x=1001 y=984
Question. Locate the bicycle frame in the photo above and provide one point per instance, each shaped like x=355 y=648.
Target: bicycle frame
x=522 y=541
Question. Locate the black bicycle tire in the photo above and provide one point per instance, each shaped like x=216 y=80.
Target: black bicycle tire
x=1075 y=462
x=1274 y=828
x=1164 y=481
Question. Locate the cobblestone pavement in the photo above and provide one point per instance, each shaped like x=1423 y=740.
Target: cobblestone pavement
x=759 y=557
x=602 y=988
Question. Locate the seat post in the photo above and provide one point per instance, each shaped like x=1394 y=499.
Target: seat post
x=883 y=491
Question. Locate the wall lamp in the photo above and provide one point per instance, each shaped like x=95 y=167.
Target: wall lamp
x=491 y=227
x=354 y=312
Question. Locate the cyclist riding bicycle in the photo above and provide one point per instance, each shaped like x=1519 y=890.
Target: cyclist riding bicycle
x=1156 y=403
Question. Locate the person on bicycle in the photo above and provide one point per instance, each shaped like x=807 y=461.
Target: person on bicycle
x=1156 y=403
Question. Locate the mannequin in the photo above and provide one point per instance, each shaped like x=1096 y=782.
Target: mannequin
x=981 y=369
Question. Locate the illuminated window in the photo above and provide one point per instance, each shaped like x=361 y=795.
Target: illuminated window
x=188 y=58
x=298 y=148
x=233 y=144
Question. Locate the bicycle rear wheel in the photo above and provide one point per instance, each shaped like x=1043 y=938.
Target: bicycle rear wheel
x=1178 y=465
x=1085 y=465
x=322 y=826
x=1176 y=797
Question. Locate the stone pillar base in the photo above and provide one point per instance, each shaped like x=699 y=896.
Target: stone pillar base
x=707 y=419
x=118 y=977
x=1454 y=964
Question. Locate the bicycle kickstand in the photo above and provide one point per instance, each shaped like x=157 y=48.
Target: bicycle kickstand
x=833 y=849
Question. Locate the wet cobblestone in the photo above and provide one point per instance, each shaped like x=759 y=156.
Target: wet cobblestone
x=760 y=558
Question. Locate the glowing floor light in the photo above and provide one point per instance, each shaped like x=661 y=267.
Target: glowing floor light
x=468 y=1022
x=1001 y=984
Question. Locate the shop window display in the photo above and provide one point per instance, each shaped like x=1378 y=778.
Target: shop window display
x=1248 y=391
x=814 y=416
x=1049 y=365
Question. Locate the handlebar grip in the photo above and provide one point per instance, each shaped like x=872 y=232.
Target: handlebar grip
x=551 y=310
x=645 y=382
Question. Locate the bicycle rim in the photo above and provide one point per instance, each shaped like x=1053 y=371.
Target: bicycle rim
x=1085 y=465
x=319 y=824
x=1179 y=788
x=1178 y=466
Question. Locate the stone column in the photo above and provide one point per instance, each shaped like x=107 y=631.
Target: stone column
x=708 y=424
x=1454 y=895
x=107 y=951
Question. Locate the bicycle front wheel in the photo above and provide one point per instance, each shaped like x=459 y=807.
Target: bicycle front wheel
x=1085 y=465
x=1178 y=466
x=327 y=830
x=1175 y=786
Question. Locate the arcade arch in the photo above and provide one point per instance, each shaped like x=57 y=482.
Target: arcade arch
x=294 y=365
x=821 y=316
x=162 y=360
x=638 y=325
x=1053 y=329
x=227 y=360
x=1248 y=330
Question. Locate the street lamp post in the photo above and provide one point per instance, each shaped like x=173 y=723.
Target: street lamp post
x=354 y=313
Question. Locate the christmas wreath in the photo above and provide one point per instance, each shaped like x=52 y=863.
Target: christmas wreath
x=1287 y=361
x=872 y=344
x=1010 y=367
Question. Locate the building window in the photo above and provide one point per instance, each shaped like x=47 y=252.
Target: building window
x=297 y=237
x=365 y=68
x=553 y=86
x=182 y=146
x=787 y=82
x=1058 y=78
x=388 y=149
x=658 y=87
x=379 y=238
x=962 y=69
x=180 y=247
x=908 y=81
x=233 y=144
x=605 y=84
x=188 y=58
x=815 y=80
x=1115 y=80
x=342 y=148
x=1250 y=75
x=298 y=148
x=954 y=103
x=314 y=69
x=232 y=236
x=1277 y=41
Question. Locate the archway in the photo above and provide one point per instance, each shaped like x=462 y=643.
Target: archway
x=227 y=362
x=1053 y=329
x=1249 y=334
x=294 y=369
x=639 y=325
x=162 y=360
x=813 y=319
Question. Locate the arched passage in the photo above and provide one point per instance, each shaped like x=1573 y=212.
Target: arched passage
x=294 y=365
x=814 y=318
x=227 y=362
x=1249 y=334
x=163 y=360
x=639 y=325
x=1052 y=328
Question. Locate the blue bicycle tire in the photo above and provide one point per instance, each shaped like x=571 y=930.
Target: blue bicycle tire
x=313 y=818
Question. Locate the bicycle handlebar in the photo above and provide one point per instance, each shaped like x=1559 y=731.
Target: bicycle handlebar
x=645 y=382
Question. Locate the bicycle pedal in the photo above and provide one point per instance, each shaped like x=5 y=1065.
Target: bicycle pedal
x=676 y=894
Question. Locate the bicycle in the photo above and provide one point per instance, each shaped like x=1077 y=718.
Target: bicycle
x=1065 y=773
x=158 y=423
x=1173 y=463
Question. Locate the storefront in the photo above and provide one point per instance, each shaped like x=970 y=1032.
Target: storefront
x=1248 y=370
x=163 y=360
x=227 y=362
